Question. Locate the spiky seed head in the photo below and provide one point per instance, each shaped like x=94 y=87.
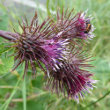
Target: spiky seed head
x=71 y=78
x=74 y=26
x=38 y=45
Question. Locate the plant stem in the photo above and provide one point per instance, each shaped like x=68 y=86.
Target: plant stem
x=101 y=98
x=24 y=93
x=8 y=35
x=5 y=105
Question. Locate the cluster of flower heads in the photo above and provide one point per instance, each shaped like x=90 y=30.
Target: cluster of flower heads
x=53 y=44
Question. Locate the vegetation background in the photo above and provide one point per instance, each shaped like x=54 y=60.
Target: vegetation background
x=29 y=94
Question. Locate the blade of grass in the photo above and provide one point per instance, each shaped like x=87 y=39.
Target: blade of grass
x=91 y=104
x=24 y=93
x=5 y=105
x=47 y=5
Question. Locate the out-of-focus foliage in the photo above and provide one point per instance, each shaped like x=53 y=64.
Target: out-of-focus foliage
x=6 y=63
x=30 y=94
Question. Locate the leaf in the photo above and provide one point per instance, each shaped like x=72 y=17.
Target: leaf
x=6 y=64
x=7 y=102
x=3 y=47
x=3 y=20
x=101 y=66
x=38 y=83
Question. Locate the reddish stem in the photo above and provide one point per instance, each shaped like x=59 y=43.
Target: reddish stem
x=8 y=35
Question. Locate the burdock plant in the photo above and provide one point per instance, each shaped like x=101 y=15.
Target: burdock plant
x=52 y=47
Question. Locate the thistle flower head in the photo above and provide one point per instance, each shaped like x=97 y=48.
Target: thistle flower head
x=56 y=49
x=35 y=45
x=86 y=24
x=49 y=44
x=71 y=78
x=78 y=26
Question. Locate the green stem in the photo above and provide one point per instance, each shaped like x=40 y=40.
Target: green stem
x=24 y=93
x=5 y=105
x=47 y=5
x=101 y=98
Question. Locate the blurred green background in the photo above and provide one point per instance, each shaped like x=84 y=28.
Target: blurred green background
x=29 y=94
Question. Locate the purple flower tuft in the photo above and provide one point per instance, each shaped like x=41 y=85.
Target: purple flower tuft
x=78 y=26
x=37 y=45
x=55 y=48
x=71 y=78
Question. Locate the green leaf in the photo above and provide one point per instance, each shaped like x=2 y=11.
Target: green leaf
x=3 y=47
x=38 y=83
x=3 y=20
x=6 y=64
x=5 y=105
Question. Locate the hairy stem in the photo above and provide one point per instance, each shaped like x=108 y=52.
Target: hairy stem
x=8 y=35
